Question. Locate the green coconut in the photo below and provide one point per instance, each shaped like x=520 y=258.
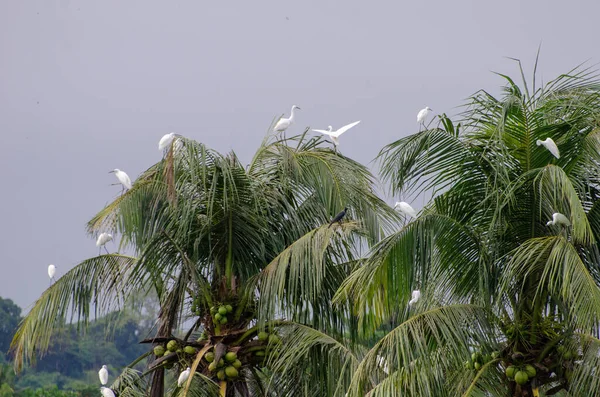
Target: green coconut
x=237 y=364
x=172 y=345
x=510 y=371
x=212 y=367
x=221 y=362
x=210 y=357
x=159 y=351
x=477 y=365
x=530 y=370
x=229 y=308
x=221 y=374
x=230 y=357
x=218 y=317
x=189 y=350
x=222 y=310
x=223 y=320
x=231 y=372
x=260 y=353
x=263 y=336
x=521 y=377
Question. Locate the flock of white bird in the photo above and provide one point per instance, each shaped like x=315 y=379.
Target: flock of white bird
x=281 y=126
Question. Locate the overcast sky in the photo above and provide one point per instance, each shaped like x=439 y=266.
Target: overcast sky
x=88 y=86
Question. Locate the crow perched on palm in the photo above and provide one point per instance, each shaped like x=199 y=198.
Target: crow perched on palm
x=338 y=218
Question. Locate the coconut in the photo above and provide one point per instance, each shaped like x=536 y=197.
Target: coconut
x=172 y=345
x=222 y=310
x=212 y=366
x=487 y=358
x=210 y=357
x=237 y=364
x=476 y=356
x=468 y=365
x=521 y=377
x=218 y=317
x=260 y=353
x=221 y=362
x=221 y=374
x=530 y=370
x=230 y=357
x=159 y=351
x=189 y=350
x=263 y=336
x=213 y=310
x=495 y=355
x=179 y=351
x=477 y=365
x=231 y=372
x=229 y=308
x=223 y=320
x=510 y=371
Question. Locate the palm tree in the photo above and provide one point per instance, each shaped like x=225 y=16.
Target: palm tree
x=235 y=254
x=510 y=303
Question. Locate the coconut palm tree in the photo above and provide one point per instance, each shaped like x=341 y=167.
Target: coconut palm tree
x=510 y=302
x=235 y=255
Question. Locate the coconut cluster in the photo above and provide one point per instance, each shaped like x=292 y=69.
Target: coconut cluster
x=478 y=359
x=227 y=368
x=183 y=353
x=219 y=314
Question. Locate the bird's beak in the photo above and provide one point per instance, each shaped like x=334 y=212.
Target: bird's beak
x=298 y=108
x=110 y=172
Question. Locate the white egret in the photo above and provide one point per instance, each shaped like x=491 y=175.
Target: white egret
x=103 y=375
x=284 y=123
x=406 y=208
x=106 y=392
x=103 y=238
x=422 y=115
x=122 y=177
x=416 y=294
x=559 y=219
x=183 y=376
x=335 y=135
x=51 y=272
x=550 y=145
x=166 y=140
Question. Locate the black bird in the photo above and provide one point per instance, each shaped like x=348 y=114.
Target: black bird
x=338 y=218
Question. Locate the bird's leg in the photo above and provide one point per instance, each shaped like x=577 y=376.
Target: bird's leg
x=106 y=250
x=99 y=251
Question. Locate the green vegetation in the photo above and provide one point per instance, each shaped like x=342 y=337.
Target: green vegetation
x=70 y=368
x=260 y=297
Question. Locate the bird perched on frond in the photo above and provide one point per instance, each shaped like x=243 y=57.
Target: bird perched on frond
x=416 y=294
x=549 y=144
x=559 y=219
x=284 y=123
x=405 y=208
x=338 y=218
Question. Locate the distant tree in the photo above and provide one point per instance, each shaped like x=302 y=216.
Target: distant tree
x=10 y=316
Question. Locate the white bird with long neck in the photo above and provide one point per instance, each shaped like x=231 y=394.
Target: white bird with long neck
x=51 y=272
x=183 y=376
x=284 y=123
x=422 y=115
x=335 y=135
x=416 y=294
x=406 y=208
x=549 y=144
x=106 y=392
x=103 y=375
x=122 y=177
x=103 y=238
x=559 y=219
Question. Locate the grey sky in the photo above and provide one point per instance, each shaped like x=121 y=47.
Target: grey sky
x=88 y=86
